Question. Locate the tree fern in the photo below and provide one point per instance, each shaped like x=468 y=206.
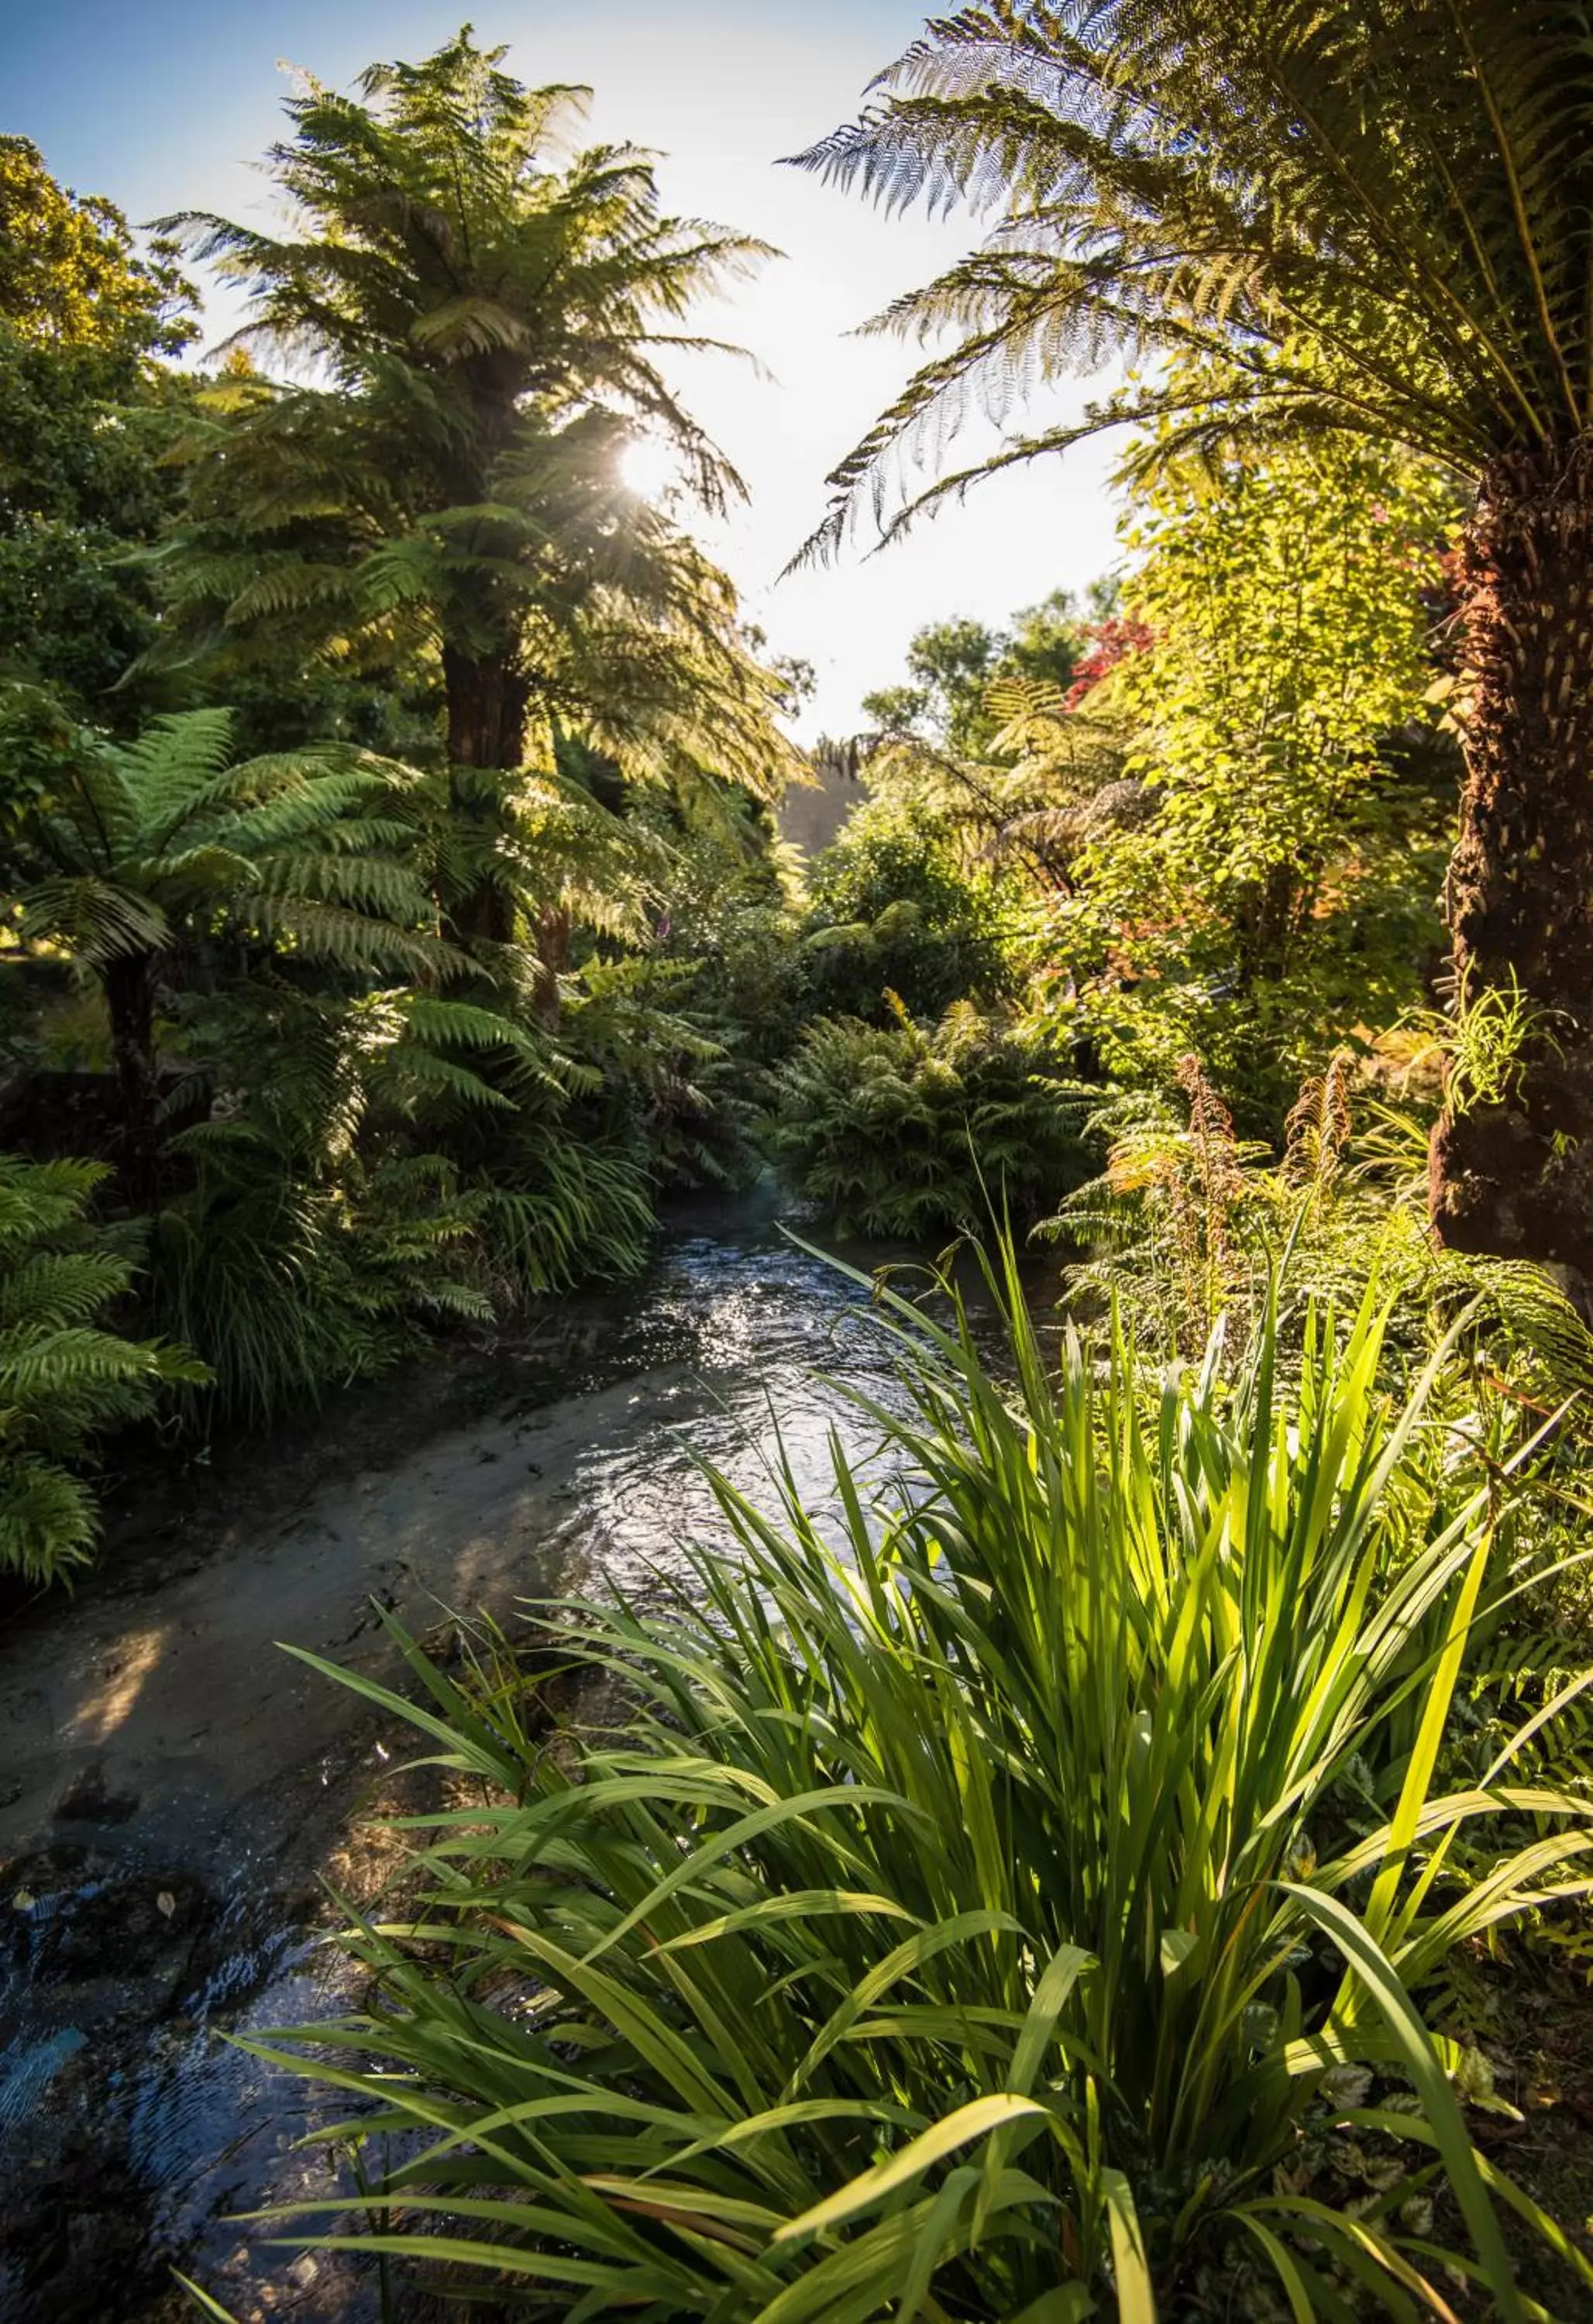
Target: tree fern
x=1372 y=221
x=491 y=315
x=131 y=853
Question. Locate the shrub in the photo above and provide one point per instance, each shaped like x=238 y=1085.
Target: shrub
x=292 y=1282
x=368 y=1168
x=900 y=1131
x=64 y=1378
x=679 y=1090
x=894 y=912
x=1001 y=1912
x=1186 y=1220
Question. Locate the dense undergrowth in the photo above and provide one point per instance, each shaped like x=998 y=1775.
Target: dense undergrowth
x=1030 y=1899
x=1071 y=1877
x=395 y=1011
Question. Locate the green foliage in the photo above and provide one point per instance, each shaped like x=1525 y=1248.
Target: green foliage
x=136 y=855
x=70 y=274
x=1417 y=271
x=1278 y=890
x=743 y=942
x=1484 y=1042
x=350 y=1172
x=65 y=1379
x=1298 y=221
x=294 y=1247
x=562 y=1209
x=949 y=664
x=83 y=488
x=489 y=311
x=903 y=1131
x=895 y=911
x=1186 y=1220
x=1013 y=1908
x=136 y=848
x=85 y=411
x=952 y=666
x=679 y=1095
x=292 y=1283
x=1287 y=604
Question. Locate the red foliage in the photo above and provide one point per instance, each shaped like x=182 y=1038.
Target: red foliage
x=1110 y=642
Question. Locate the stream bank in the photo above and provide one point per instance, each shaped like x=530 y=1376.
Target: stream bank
x=174 y=1792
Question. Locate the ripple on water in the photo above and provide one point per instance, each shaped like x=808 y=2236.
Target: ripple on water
x=737 y=1349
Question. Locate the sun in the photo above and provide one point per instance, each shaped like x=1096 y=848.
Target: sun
x=649 y=467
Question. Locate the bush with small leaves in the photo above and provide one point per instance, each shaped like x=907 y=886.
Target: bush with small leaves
x=894 y=912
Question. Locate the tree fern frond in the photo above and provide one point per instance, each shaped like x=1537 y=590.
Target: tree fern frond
x=63 y=1378
x=48 y=1519
x=1373 y=218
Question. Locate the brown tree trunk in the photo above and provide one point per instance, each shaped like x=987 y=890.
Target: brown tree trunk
x=552 y=949
x=486 y=704
x=130 y=1003
x=1514 y=1177
x=1267 y=927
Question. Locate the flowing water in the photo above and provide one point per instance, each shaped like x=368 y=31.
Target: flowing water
x=175 y=1793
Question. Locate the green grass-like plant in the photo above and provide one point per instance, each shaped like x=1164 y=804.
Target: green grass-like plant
x=999 y=1892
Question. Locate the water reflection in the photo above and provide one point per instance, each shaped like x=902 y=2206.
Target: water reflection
x=581 y=1473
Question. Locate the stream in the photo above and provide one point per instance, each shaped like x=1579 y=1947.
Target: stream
x=176 y=1795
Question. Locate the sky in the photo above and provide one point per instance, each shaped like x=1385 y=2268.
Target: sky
x=166 y=105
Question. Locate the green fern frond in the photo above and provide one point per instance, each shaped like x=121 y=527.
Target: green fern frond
x=48 y=1519
x=63 y=1378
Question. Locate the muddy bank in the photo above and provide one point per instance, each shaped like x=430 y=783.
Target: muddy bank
x=174 y=1791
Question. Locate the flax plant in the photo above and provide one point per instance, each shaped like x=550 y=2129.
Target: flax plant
x=994 y=1893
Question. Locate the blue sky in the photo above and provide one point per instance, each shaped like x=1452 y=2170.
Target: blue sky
x=164 y=105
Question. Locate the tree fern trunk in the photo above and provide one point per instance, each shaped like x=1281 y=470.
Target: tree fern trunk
x=552 y=949
x=1514 y=1176
x=130 y=1003
x=486 y=701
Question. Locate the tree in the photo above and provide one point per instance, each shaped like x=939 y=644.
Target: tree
x=71 y=275
x=950 y=665
x=492 y=326
x=86 y=410
x=82 y=489
x=129 y=853
x=1280 y=891
x=1365 y=219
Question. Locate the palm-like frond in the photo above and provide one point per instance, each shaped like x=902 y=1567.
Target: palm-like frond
x=490 y=316
x=63 y=1378
x=148 y=841
x=1361 y=218
x=431 y=213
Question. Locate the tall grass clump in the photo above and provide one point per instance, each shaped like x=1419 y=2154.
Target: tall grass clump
x=997 y=1894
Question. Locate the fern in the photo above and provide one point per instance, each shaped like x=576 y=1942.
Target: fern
x=903 y=1131
x=289 y=1287
x=142 y=851
x=361 y=1179
x=491 y=315
x=64 y=1380
x=1361 y=219
x=1187 y=1223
